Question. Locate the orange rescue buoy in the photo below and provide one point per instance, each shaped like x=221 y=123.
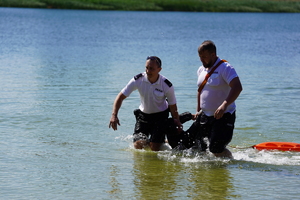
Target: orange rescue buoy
x=281 y=146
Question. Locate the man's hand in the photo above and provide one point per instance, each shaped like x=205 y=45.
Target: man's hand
x=220 y=111
x=178 y=125
x=194 y=117
x=114 y=122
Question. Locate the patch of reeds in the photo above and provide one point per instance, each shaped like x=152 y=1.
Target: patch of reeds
x=290 y=6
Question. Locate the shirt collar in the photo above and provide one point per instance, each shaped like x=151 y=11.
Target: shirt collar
x=146 y=79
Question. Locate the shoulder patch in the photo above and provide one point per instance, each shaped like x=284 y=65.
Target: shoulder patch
x=168 y=83
x=138 y=76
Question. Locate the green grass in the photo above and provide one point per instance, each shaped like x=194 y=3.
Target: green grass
x=290 y=6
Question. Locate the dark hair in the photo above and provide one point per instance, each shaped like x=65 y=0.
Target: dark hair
x=208 y=45
x=156 y=59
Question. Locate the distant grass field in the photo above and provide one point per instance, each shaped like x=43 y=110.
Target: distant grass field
x=287 y=6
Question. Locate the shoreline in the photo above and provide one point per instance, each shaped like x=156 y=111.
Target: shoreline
x=255 y=6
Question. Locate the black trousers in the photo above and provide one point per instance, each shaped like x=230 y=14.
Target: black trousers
x=150 y=127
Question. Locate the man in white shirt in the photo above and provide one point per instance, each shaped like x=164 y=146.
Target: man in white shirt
x=157 y=100
x=215 y=101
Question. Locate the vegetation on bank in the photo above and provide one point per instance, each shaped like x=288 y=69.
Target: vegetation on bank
x=291 y=6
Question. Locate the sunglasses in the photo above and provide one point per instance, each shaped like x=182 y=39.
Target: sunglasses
x=156 y=59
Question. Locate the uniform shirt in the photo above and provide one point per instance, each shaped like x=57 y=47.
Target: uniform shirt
x=153 y=96
x=217 y=87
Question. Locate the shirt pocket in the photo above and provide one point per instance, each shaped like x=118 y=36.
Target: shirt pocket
x=159 y=95
x=214 y=80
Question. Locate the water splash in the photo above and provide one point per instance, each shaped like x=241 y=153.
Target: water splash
x=192 y=155
x=268 y=157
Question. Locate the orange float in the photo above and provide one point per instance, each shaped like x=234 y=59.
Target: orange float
x=281 y=146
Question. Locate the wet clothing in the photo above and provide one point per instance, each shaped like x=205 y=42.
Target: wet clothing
x=177 y=139
x=153 y=111
x=150 y=127
x=217 y=87
x=154 y=127
x=217 y=131
x=147 y=126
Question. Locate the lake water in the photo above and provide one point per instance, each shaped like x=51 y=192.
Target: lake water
x=62 y=69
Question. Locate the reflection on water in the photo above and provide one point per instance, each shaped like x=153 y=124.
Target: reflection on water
x=153 y=177
x=115 y=192
x=163 y=179
x=212 y=182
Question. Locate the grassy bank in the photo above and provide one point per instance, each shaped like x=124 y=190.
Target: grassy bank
x=291 y=6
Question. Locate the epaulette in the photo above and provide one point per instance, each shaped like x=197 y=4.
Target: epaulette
x=138 y=76
x=168 y=83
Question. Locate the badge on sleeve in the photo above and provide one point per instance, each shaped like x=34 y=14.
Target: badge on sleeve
x=168 y=83
x=138 y=76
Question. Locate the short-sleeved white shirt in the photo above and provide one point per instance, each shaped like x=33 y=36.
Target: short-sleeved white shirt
x=217 y=87
x=153 y=96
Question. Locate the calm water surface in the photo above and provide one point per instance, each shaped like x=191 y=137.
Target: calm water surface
x=60 y=73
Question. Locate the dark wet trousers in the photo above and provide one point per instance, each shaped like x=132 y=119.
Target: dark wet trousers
x=156 y=127
x=150 y=127
x=175 y=138
x=218 y=132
